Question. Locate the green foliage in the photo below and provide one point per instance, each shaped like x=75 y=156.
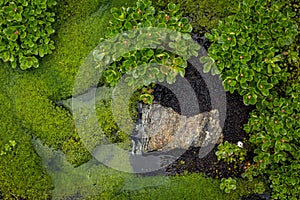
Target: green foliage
x=140 y=65
x=29 y=98
x=27 y=27
x=32 y=113
x=146 y=94
x=209 y=65
x=259 y=188
x=248 y=46
x=188 y=186
x=32 y=94
x=291 y=60
x=256 y=54
x=274 y=132
x=78 y=27
x=231 y=153
x=204 y=14
x=21 y=173
x=34 y=91
x=228 y=184
x=255 y=50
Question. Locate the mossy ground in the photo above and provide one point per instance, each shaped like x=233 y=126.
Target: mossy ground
x=28 y=110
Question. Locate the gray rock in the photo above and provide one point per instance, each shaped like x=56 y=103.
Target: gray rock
x=162 y=129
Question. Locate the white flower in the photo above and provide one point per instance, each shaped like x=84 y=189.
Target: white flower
x=240 y=144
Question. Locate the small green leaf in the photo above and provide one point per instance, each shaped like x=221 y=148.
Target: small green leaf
x=207 y=67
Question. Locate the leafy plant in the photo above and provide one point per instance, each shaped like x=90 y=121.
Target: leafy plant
x=230 y=153
x=150 y=61
x=274 y=133
x=248 y=46
x=259 y=188
x=26 y=31
x=228 y=184
x=204 y=14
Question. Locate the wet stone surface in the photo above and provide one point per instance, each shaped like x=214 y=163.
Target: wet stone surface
x=164 y=129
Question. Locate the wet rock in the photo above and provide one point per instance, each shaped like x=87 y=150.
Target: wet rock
x=163 y=129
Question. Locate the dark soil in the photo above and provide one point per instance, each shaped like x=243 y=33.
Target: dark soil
x=256 y=197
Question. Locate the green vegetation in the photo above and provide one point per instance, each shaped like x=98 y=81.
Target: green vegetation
x=231 y=153
x=27 y=27
x=188 y=186
x=93 y=180
x=21 y=172
x=107 y=122
x=256 y=52
x=129 y=36
x=228 y=184
x=204 y=14
x=274 y=132
x=34 y=92
x=28 y=108
x=247 y=51
x=8 y=147
x=265 y=55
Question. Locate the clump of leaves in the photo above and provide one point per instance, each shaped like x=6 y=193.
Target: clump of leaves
x=149 y=62
x=26 y=31
x=228 y=184
x=254 y=51
x=231 y=153
x=248 y=46
x=259 y=187
x=275 y=134
x=204 y=14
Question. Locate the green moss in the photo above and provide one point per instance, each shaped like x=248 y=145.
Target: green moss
x=27 y=102
x=81 y=25
x=21 y=173
x=34 y=92
x=189 y=186
x=52 y=124
x=108 y=122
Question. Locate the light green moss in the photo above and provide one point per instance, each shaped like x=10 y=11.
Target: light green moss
x=21 y=172
x=188 y=186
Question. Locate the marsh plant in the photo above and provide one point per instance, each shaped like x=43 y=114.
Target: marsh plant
x=231 y=153
x=144 y=65
x=228 y=184
x=248 y=46
x=274 y=133
x=26 y=27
